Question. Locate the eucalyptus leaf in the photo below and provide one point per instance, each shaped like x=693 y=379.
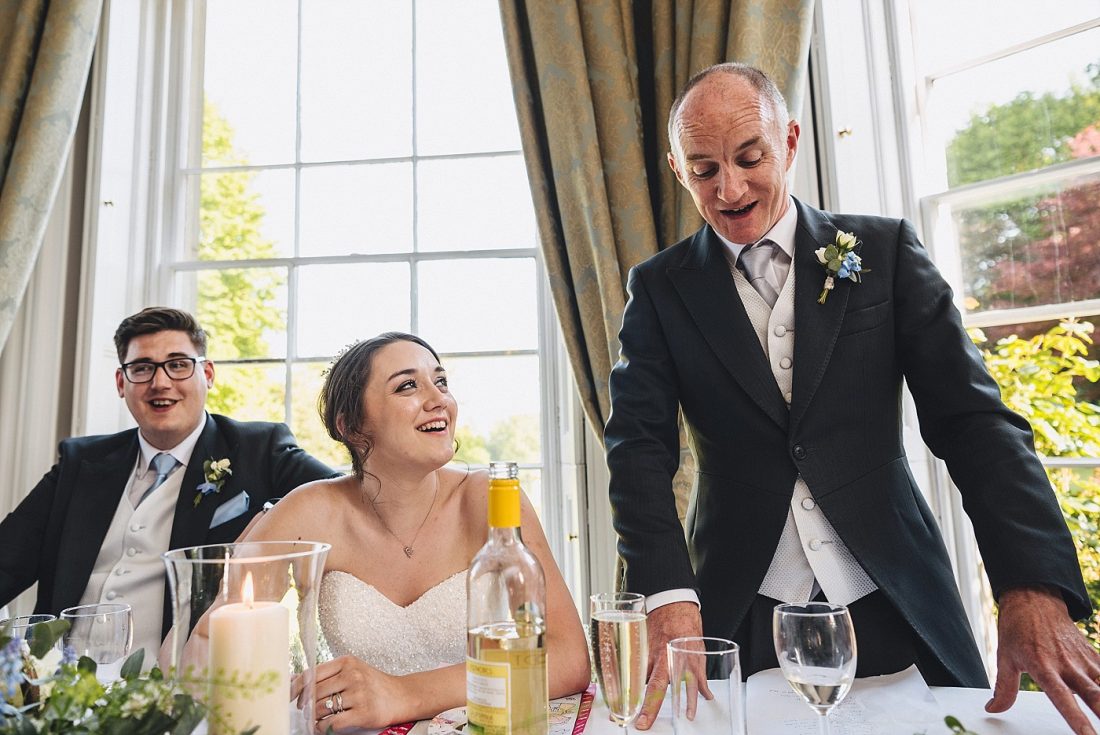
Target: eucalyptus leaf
x=131 y=669
x=86 y=664
x=45 y=635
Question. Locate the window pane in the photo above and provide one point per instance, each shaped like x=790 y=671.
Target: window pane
x=1042 y=246
x=498 y=407
x=248 y=392
x=340 y=304
x=531 y=483
x=305 y=422
x=1086 y=390
x=357 y=209
x=249 y=79
x=243 y=310
x=456 y=198
x=246 y=214
x=949 y=32
x=464 y=93
x=478 y=304
x=356 y=79
x=1023 y=112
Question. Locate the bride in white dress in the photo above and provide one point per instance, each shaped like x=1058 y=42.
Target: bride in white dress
x=403 y=529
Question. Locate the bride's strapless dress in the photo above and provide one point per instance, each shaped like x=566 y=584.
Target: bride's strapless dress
x=359 y=620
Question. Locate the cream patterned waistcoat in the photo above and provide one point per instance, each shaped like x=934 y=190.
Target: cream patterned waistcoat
x=809 y=548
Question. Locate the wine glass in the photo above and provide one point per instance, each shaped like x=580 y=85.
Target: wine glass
x=621 y=652
x=816 y=647
x=104 y=632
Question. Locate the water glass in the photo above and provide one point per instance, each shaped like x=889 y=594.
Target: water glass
x=706 y=695
x=22 y=625
x=816 y=647
x=621 y=652
x=104 y=632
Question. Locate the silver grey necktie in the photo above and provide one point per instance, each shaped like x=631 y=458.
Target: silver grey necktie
x=756 y=264
x=163 y=463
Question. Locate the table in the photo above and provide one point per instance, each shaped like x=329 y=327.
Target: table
x=1033 y=714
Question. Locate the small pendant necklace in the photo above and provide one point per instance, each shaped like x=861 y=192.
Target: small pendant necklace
x=407 y=547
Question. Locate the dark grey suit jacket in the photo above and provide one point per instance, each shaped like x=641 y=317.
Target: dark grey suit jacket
x=54 y=535
x=688 y=344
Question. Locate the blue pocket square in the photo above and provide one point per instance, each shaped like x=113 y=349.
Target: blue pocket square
x=230 y=509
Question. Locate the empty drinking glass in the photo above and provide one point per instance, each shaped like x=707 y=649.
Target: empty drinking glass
x=705 y=680
x=22 y=625
x=104 y=632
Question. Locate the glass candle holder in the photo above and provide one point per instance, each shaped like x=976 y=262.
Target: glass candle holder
x=245 y=633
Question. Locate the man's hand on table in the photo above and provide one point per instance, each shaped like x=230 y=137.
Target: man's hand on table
x=675 y=620
x=1037 y=636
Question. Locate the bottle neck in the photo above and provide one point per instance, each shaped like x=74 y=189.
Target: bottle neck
x=505 y=534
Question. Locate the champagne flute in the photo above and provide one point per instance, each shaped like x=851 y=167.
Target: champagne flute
x=816 y=647
x=621 y=652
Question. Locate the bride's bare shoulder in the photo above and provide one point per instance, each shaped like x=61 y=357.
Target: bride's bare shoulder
x=317 y=499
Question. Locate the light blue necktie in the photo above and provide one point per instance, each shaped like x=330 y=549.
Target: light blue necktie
x=756 y=264
x=163 y=463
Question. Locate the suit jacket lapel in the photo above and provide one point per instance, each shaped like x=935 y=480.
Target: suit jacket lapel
x=190 y=523
x=96 y=494
x=816 y=325
x=706 y=287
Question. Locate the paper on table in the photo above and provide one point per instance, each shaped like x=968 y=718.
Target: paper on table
x=877 y=705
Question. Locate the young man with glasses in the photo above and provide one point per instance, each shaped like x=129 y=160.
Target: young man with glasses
x=94 y=527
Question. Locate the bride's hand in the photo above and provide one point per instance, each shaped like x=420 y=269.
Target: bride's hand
x=360 y=695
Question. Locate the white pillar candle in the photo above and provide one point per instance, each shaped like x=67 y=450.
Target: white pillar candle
x=250 y=644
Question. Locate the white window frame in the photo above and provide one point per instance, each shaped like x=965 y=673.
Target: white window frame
x=145 y=61
x=871 y=111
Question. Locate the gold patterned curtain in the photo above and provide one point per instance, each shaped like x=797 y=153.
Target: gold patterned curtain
x=593 y=81
x=45 y=52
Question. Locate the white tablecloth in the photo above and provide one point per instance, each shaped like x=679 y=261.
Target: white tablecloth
x=1033 y=714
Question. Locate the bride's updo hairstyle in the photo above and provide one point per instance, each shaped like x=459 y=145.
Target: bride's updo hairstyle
x=341 y=401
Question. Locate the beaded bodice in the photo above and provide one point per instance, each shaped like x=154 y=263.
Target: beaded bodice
x=359 y=620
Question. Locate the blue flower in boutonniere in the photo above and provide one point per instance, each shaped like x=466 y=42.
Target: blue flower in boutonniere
x=840 y=261
x=214 y=471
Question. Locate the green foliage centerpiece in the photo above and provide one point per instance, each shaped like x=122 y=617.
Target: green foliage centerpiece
x=70 y=699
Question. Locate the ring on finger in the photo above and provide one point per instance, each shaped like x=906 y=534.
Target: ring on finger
x=328 y=705
x=339 y=697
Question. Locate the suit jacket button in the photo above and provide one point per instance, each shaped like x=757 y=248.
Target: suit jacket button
x=780 y=330
x=111 y=595
x=808 y=503
x=799 y=451
x=785 y=363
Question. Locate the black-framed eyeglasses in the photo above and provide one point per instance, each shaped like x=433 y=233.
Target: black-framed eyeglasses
x=178 y=368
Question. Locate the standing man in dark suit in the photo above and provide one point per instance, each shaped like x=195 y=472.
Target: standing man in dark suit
x=94 y=527
x=789 y=379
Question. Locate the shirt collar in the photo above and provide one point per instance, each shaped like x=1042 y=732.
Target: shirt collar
x=182 y=451
x=781 y=233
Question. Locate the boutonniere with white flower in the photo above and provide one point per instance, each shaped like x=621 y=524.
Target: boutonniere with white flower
x=214 y=471
x=840 y=261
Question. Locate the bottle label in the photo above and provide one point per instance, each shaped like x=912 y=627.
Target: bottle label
x=487 y=684
x=506 y=693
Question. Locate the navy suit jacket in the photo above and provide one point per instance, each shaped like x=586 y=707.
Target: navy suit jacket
x=687 y=344
x=53 y=537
